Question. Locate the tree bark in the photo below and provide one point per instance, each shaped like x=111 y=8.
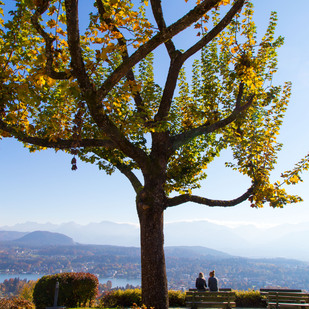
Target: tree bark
x=154 y=281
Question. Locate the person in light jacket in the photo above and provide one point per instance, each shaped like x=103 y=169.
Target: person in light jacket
x=212 y=282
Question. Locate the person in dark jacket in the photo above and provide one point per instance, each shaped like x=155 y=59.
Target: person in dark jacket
x=200 y=282
x=212 y=282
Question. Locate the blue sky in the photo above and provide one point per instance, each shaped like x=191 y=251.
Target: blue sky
x=41 y=186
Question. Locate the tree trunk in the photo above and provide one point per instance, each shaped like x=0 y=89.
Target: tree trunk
x=154 y=281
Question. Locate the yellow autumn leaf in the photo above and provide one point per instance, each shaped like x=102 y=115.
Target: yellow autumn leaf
x=60 y=31
x=99 y=40
x=40 y=81
x=50 y=82
x=64 y=43
x=294 y=179
x=51 y=23
x=234 y=49
x=136 y=27
x=224 y=2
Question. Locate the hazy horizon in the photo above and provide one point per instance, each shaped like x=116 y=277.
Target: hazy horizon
x=243 y=240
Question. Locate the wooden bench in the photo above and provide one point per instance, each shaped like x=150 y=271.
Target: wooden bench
x=222 y=299
x=284 y=299
x=221 y=290
x=264 y=291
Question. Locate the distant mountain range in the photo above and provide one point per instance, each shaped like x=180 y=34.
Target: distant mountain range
x=35 y=239
x=10 y=235
x=287 y=241
x=41 y=239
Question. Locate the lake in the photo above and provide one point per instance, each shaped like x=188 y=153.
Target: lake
x=115 y=281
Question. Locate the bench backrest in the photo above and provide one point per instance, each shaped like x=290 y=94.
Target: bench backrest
x=287 y=297
x=280 y=290
x=220 y=290
x=192 y=296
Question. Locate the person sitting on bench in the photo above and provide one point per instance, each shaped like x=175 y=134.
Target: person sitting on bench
x=212 y=282
x=200 y=283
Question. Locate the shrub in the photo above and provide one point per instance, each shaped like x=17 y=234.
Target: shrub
x=249 y=299
x=15 y=303
x=121 y=298
x=26 y=291
x=176 y=298
x=75 y=289
x=133 y=298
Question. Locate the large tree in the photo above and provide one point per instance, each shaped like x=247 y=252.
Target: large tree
x=84 y=83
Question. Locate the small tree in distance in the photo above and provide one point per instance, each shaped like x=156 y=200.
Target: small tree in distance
x=27 y=290
x=91 y=91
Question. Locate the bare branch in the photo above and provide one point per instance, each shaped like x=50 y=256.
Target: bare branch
x=177 y=200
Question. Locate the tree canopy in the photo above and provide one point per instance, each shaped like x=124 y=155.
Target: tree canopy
x=53 y=72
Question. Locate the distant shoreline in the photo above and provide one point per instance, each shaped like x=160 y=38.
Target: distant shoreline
x=115 y=281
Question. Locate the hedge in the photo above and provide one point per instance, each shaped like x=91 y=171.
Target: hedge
x=75 y=290
x=133 y=297
x=249 y=299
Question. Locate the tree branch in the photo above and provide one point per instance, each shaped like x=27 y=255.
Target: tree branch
x=48 y=42
x=215 y=31
x=158 y=15
x=179 y=58
x=177 y=200
x=153 y=43
x=125 y=170
x=77 y=62
x=94 y=101
x=183 y=138
x=125 y=55
x=59 y=143
x=240 y=94
x=169 y=87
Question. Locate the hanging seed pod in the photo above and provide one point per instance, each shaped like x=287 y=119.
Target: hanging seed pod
x=77 y=129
